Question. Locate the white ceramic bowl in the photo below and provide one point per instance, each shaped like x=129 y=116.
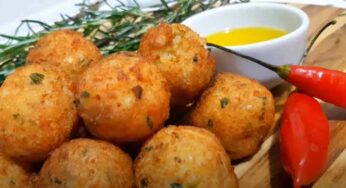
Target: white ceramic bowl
x=287 y=49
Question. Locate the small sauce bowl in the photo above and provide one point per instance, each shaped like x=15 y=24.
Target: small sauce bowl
x=287 y=49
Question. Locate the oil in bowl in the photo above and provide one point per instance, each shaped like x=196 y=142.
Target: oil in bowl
x=244 y=35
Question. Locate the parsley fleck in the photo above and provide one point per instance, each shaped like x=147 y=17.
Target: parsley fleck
x=148 y=148
x=85 y=94
x=195 y=59
x=176 y=185
x=224 y=102
x=85 y=62
x=177 y=159
x=12 y=182
x=56 y=181
x=263 y=109
x=36 y=78
x=138 y=91
x=149 y=122
x=210 y=123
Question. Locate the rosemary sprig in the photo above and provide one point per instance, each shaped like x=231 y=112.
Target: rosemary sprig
x=117 y=29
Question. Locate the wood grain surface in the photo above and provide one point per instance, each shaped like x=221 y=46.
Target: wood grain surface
x=264 y=169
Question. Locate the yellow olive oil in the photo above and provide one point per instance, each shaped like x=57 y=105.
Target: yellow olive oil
x=246 y=35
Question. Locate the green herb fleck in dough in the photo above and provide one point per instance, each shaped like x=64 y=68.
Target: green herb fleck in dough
x=85 y=94
x=16 y=116
x=210 y=123
x=195 y=59
x=224 y=102
x=149 y=122
x=176 y=185
x=85 y=62
x=85 y=152
x=12 y=182
x=36 y=78
x=138 y=91
x=148 y=148
x=263 y=108
x=56 y=181
x=177 y=159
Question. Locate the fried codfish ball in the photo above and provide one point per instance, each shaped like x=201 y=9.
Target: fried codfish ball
x=184 y=156
x=87 y=163
x=37 y=113
x=65 y=49
x=181 y=56
x=12 y=175
x=240 y=111
x=124 y=98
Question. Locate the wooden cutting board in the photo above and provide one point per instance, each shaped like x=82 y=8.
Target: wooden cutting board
x=264 y=168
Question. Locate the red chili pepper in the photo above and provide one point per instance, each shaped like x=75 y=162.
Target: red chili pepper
x=304 y=139
x=325 y=84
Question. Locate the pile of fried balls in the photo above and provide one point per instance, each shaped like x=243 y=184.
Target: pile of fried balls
x=68 y=117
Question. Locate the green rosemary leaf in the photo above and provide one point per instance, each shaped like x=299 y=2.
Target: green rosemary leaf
x=16 y=38
x=2 y=46
x=164 y=3
x=42 y=24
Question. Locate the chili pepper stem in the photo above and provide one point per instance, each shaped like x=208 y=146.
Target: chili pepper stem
x=283 y=71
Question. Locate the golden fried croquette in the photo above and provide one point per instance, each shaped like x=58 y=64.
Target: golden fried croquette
x=65 y=49
x=87 y=163
x=124 y=98
x=37 y=112
x=240 y=111
x=184 y=156
x=181 y=56
x=12 y=175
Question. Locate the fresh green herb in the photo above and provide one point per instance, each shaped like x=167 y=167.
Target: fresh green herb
x=56 y=181
x=210 y=123
x=85 y=94
x=138 y=91
x=177 y=159
x=18 y=118
x=85 y=62
x=176 y=135
x=114 y=30
x=148 y=148
x=224 y=102
x=36 y=78
x=85 y=152
x=263 y=108
x=176 y=185
x=195 y=59
x=12 y=182
x=149 y=122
